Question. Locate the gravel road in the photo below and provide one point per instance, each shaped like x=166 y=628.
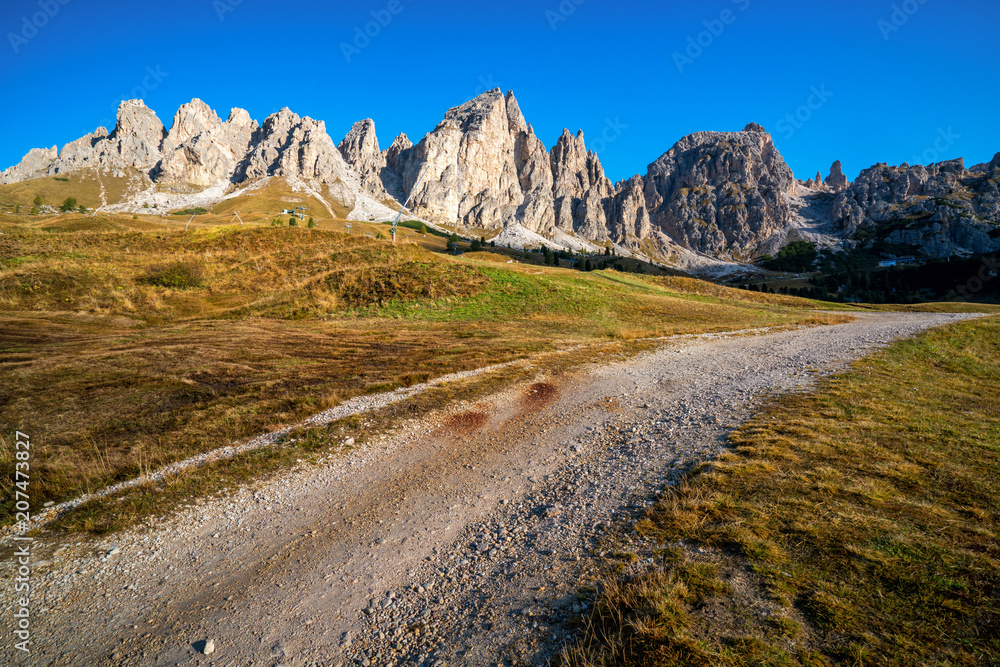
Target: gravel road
x=458 y=539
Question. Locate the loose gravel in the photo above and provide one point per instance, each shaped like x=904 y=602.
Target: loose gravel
x=459 y=539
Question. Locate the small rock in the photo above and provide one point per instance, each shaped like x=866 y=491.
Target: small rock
x=209 y=647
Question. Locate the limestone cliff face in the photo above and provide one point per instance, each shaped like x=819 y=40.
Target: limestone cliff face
x=134 y=144
x=836 y=181
x=720 y=193
x=396 y=156
x=138 y=135
x=580 y=188
x=472 y=176
x=287 y=145
x=531 y=163
x=360 y=150
x=717 y=193
x=32 y=165
x=628 y=216
x=486 y=168
x=200 y=149
x=724 y=194
x=940 y=209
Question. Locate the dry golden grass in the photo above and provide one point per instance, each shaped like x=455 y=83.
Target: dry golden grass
x=116 y=373
x=83 y=185
x=865 y=514
x=703 y=288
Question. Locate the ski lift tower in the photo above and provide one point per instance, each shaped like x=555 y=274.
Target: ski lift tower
x=395 y=223
x=300 y=211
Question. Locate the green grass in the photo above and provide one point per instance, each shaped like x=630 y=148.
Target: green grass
x=130 y=344
x=416 y=225
x=865 y=515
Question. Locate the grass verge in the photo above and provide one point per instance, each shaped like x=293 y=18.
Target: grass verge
x=857 y=525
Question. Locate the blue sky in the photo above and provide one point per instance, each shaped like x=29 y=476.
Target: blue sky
x=864 y=82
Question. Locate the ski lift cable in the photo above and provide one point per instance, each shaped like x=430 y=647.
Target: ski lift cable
x=395 y=223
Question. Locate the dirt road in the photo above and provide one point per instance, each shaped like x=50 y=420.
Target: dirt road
x=457 y=540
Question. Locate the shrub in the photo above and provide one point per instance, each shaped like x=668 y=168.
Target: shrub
x=292 y=222
x=83 y=209
x=380 y=236
x=191 y=211
x=17 y=209
x=423 y=228
x=312 y=223
x=68 y=204
x=177 y=275
x=38 y=200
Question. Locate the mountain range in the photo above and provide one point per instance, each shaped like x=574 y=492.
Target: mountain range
x=713 y=197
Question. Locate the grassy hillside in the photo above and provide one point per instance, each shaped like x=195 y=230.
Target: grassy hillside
x=128 y=343
x=854 y=526
x=83 y=185
x=263 y=202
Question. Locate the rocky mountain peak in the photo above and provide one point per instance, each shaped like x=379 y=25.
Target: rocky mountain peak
x=938 y=209
x=722 y=193
x=191 y=119
x=836 y=181
x=395 y=157
x=725 y=194
x=35 y=160
x=515 y=119
x=361 y=151
x=138 y=135
x=201 y=149
x=578 y=184
x=472 y=174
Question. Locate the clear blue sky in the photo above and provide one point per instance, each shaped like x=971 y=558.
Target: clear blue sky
x=886 y=94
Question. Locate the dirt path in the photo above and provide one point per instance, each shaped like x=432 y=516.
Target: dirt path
x=455 y=541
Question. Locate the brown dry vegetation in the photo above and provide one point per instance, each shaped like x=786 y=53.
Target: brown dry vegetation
x=856 y=526
x=115 y=373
